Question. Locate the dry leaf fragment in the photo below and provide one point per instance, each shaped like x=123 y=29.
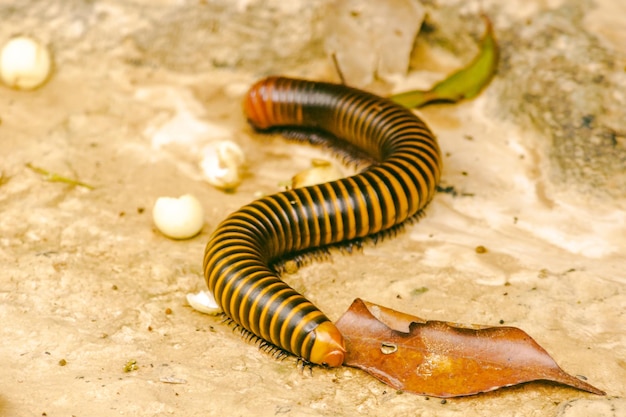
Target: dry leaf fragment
x=441 y=359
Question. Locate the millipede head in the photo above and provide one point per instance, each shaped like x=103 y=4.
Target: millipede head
x=328 y=348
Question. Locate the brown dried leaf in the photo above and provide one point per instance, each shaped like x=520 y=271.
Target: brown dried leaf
x=441 y=359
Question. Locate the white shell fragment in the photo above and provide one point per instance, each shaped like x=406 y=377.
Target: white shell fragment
x=178 y=218
x=222 y=164
x=25 y=63
x=204 y=302
x=321 y=171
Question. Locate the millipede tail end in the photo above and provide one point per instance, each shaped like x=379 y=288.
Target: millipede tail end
x=257 y=106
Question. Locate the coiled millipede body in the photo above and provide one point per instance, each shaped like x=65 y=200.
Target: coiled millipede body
x=239 y=254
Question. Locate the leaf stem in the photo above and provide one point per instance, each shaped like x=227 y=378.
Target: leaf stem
x=54 y=177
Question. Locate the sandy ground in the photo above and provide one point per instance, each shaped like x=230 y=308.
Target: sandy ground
x=87 y=284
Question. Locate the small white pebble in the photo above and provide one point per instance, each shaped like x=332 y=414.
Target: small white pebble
x=222 y=164
x=25 y=63
x=321 y=171
x=204 y=302
x=178 y=218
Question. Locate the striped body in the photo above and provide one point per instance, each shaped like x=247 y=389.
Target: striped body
x=238 y=255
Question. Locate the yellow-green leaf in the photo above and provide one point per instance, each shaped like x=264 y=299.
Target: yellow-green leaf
x=463 y=84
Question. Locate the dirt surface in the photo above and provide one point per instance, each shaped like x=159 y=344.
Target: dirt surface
x=88 y=285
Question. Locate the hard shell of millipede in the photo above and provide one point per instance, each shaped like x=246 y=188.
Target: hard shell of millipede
x=240 y=253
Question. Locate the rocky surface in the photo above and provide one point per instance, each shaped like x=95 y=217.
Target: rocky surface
x=92 y=297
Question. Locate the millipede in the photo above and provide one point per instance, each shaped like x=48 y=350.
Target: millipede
x=241 y=253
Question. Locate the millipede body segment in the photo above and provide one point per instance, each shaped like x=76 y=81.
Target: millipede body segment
x=239 y=254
